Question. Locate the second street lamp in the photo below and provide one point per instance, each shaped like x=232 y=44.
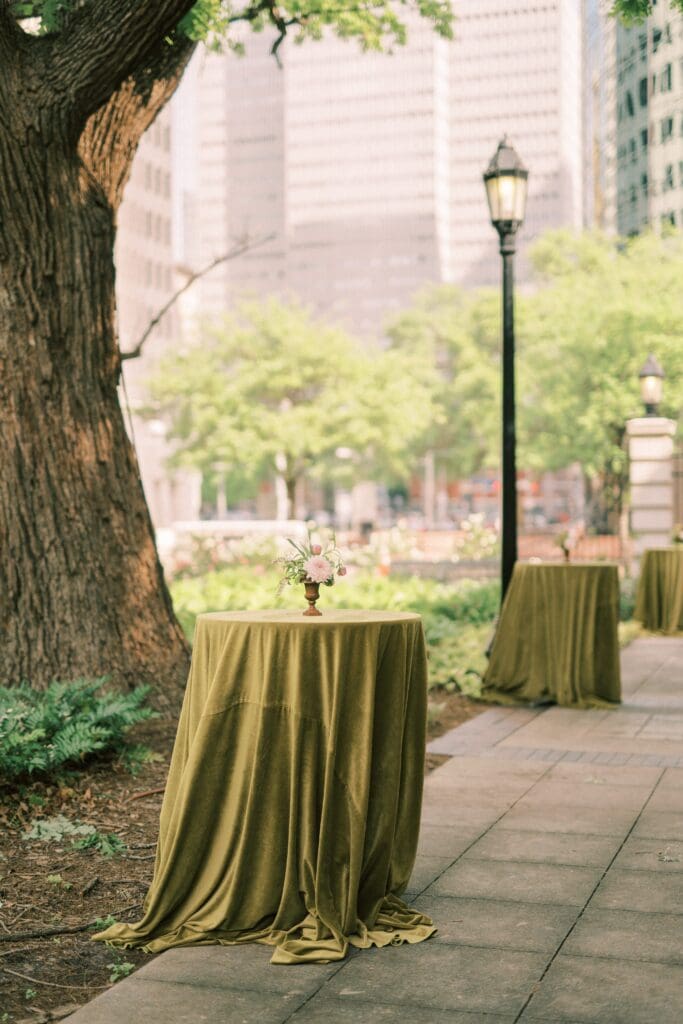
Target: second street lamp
x=506 y=188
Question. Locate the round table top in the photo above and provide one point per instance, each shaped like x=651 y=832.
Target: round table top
x=294 y=617
x=564 y=566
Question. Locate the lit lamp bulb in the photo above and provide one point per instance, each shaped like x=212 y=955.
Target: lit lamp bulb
x=651 y=379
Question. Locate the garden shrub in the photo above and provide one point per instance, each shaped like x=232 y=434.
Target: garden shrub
x=457 y=617
x=43 y=731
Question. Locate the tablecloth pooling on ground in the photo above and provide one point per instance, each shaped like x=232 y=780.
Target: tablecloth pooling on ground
x=292 y=808
x=557 y=638
x=659 y=601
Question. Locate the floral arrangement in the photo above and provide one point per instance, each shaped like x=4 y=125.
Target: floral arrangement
x=312 y=563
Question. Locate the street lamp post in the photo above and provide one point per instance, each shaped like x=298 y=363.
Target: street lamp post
x=506 y=188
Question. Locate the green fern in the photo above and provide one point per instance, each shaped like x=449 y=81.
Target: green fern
x=42 y=731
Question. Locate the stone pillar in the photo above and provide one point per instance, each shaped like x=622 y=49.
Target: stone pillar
x=650 y=449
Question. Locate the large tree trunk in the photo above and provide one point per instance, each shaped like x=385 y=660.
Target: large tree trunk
x=81 y=588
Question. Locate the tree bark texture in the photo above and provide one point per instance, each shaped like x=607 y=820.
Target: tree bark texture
x=82 y=592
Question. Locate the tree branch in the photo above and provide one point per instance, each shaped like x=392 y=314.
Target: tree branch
x=245 y=246
x=104 y=43
x=111 y=136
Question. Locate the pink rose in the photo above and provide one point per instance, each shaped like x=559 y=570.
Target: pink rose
x=316 y=549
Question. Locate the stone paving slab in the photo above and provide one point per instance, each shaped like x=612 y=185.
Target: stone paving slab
x=579 y=820
x=628 y=935
x=561 y=884
x=553 y=870
x=499 y=924
x=650 y=855
x=603 y=991
x=649 y=891
x=442 y=977
x=339 y=1010
x=157 y=1002
x=660 y=825
x=501 y=843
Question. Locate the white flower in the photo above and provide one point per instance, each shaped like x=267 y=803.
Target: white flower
x=318 y=569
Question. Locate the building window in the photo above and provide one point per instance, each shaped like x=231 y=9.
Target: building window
x=642 y=92
x=632 y=150
x=630 y=107
x=642 y=44
x=656 y=38
x=633 y=195
x=643 y=183
x=680 y=172
x=668 y=182
x=667 y=127
x=643 y=138
x=666 y=79
x=669 y=218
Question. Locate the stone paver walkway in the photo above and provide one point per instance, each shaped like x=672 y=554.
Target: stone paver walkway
x=551 y=858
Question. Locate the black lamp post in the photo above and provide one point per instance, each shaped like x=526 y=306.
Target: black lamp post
x=651 y=378
x=506 y=188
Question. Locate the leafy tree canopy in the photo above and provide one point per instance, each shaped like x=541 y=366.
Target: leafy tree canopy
x=600 y=305
x=459 y=334
x=376 y=26
x=603 y=305
x=274 y=387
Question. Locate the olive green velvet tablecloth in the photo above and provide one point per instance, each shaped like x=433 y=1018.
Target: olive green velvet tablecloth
x=557 y=637
x=292 y=808
x=659 y=601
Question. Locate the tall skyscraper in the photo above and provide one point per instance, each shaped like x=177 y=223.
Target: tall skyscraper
x=367 y=168
x=650 y=121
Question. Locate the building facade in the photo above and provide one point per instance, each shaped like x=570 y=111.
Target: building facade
x=144 y=258
x=364 y=170
x=600 y=116
x=650 y=121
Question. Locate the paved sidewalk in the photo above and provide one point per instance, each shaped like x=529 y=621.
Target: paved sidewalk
x=551 y=859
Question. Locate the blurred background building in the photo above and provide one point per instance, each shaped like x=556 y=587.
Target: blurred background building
x=366 y=168
x=649 y=78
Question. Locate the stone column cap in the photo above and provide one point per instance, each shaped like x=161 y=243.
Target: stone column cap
x=651 y=426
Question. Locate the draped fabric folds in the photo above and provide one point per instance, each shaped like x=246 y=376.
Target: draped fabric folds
x=557 y=638
x=292 y=808
x=659 y=601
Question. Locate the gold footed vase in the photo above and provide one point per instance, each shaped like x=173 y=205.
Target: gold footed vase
x=312 y=593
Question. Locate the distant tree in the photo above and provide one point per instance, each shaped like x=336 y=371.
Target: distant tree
x=458 y=333
x=273 y=387
x=601 y=306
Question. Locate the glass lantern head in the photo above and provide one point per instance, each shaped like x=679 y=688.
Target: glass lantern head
x=651 y=379
x=506 y=181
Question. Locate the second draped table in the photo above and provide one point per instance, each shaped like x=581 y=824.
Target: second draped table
x=292 y=808
x=557 y=637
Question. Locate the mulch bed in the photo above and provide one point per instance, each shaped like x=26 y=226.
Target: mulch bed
x=51 y=894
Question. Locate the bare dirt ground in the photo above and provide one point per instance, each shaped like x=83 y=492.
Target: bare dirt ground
x=52 y=895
